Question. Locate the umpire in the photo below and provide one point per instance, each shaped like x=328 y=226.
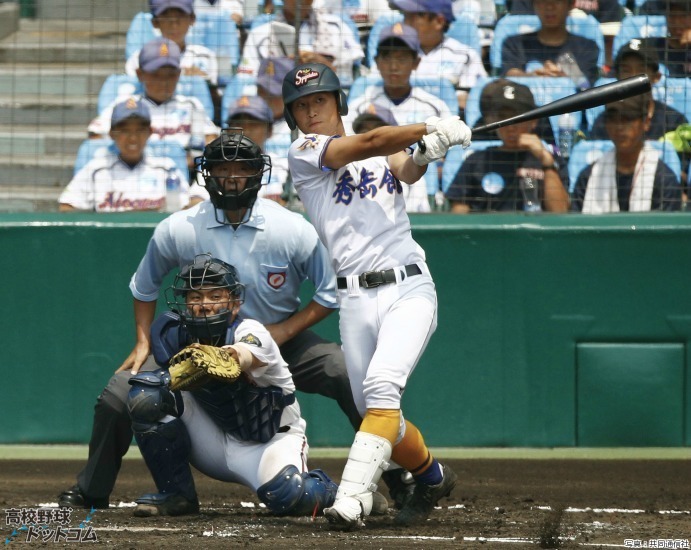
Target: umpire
x=274 y=251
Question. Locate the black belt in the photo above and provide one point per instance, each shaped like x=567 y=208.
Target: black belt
x=371 y=279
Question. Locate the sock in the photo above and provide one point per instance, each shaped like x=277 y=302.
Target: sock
x=382 y=422
x=412 y=454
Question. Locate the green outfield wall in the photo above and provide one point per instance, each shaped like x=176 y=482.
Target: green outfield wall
x=553 y=330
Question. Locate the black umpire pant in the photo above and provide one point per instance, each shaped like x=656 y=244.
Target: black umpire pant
x=317 y=366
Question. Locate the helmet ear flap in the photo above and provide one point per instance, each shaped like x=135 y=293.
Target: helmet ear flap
x=342 y=100
x=288 y=115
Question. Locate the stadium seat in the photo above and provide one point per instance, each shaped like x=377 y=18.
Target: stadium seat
x=509 y=25
x=93 y=148
x=675 y=92
x=587 y=152
x=456 y=157
x=439 y=87
x=545 y=90
x=462 y=29
x=121 y=86
x=639 y=26
x=215 y=30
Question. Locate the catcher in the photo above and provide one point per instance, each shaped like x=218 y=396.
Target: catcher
x=224 y=402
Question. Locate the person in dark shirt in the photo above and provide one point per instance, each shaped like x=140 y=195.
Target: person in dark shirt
x=674 y=50
x=631 y=177
x=605 y=11
x=538 y=53
x=490 y=179
x=633 y=59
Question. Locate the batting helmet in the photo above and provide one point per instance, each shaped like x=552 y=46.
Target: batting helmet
x=208 y=273
x=233 y=146
x=307 y=79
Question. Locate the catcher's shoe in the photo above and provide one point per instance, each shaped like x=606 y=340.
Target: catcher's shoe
x=401 y=486
x=425 y=498
x=75 y=498
x=346 y=513
x=164 y=505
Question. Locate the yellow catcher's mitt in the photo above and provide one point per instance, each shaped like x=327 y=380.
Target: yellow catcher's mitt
x=197 y=364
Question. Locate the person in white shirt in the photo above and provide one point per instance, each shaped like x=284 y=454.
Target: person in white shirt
x=173 y=117
x=125 y=178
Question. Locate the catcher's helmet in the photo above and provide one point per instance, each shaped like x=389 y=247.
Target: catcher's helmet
x=233 y=146
x=307 y=79
x=208 y=273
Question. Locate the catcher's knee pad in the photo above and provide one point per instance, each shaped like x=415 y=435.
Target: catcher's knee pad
x=298 y=494
x=149 y=399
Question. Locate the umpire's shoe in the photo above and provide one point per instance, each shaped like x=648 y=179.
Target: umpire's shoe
x=151 y=504
x=74 y=498
x=425 y=498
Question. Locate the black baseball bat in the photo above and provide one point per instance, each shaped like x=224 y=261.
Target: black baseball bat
x=600 y=95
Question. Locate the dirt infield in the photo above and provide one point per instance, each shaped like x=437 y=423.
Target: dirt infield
x=497 y=504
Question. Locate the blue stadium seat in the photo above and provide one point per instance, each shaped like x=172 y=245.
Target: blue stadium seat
x=545 y=90
x=675 y=92
x=215 y=30
x=456 y=157
x=92 y=148
x=462 y=29
x=587 y=152
x=121 y=86
x=509 y=25
x=639 y=26
x=439 y=87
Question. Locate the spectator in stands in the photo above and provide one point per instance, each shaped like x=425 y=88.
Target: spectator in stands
x=441 y=55
x=633 y=59
x=272 y=71
x=236 y=8
x=277 y=38
x=540 y=53
x=173 y=117
x=253 y=116
x=398 y=55
x=631 y=177
x=373 y=116
x=674 y=50
x=490 y=179
x=174 y=18
x=605 y=11
x=126 y=179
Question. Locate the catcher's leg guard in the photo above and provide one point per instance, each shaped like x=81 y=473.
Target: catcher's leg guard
x=368 y=458
x=298 y=494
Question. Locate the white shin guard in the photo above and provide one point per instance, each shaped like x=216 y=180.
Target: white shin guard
x=368 y=457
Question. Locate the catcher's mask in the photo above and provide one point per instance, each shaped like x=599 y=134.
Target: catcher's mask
x=233 y=146
x=205 y=294
x=308 y=79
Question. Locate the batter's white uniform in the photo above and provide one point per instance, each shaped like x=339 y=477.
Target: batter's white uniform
x=181 y=118
x=460 y=64
x=359 y=213
x=107 y=184
x=222 y=456
x=193 y=56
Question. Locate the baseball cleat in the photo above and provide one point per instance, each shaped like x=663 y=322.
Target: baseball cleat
x=380 y=506
x=75 y=498
x=401 y=486
x=151 y=505
x=346 y=513
x=425 y=498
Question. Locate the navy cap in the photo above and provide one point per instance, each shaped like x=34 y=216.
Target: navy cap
x=158 y=53
x=502 y=94
x=373 y=112
x=130 y=108
x=404 y=33
x=253 y=106
x=638 y=48
x=272 y=71
x=157 y=7
x=442 y=7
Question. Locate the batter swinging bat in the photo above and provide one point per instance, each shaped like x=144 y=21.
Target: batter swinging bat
x=601 y=95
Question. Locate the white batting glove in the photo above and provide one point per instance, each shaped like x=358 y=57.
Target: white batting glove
x=455 y=130
x=430 y=148
x=431 y=123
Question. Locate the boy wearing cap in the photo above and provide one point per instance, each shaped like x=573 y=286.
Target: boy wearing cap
x=272 y=70
x=631 y=177
x=491 y=179
x=397 y=57
x=674 y=49
x=441 y=55
x=173 y=116
x=125 y=179
x=538 y=53
x=174 y=19
x=635 y=58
